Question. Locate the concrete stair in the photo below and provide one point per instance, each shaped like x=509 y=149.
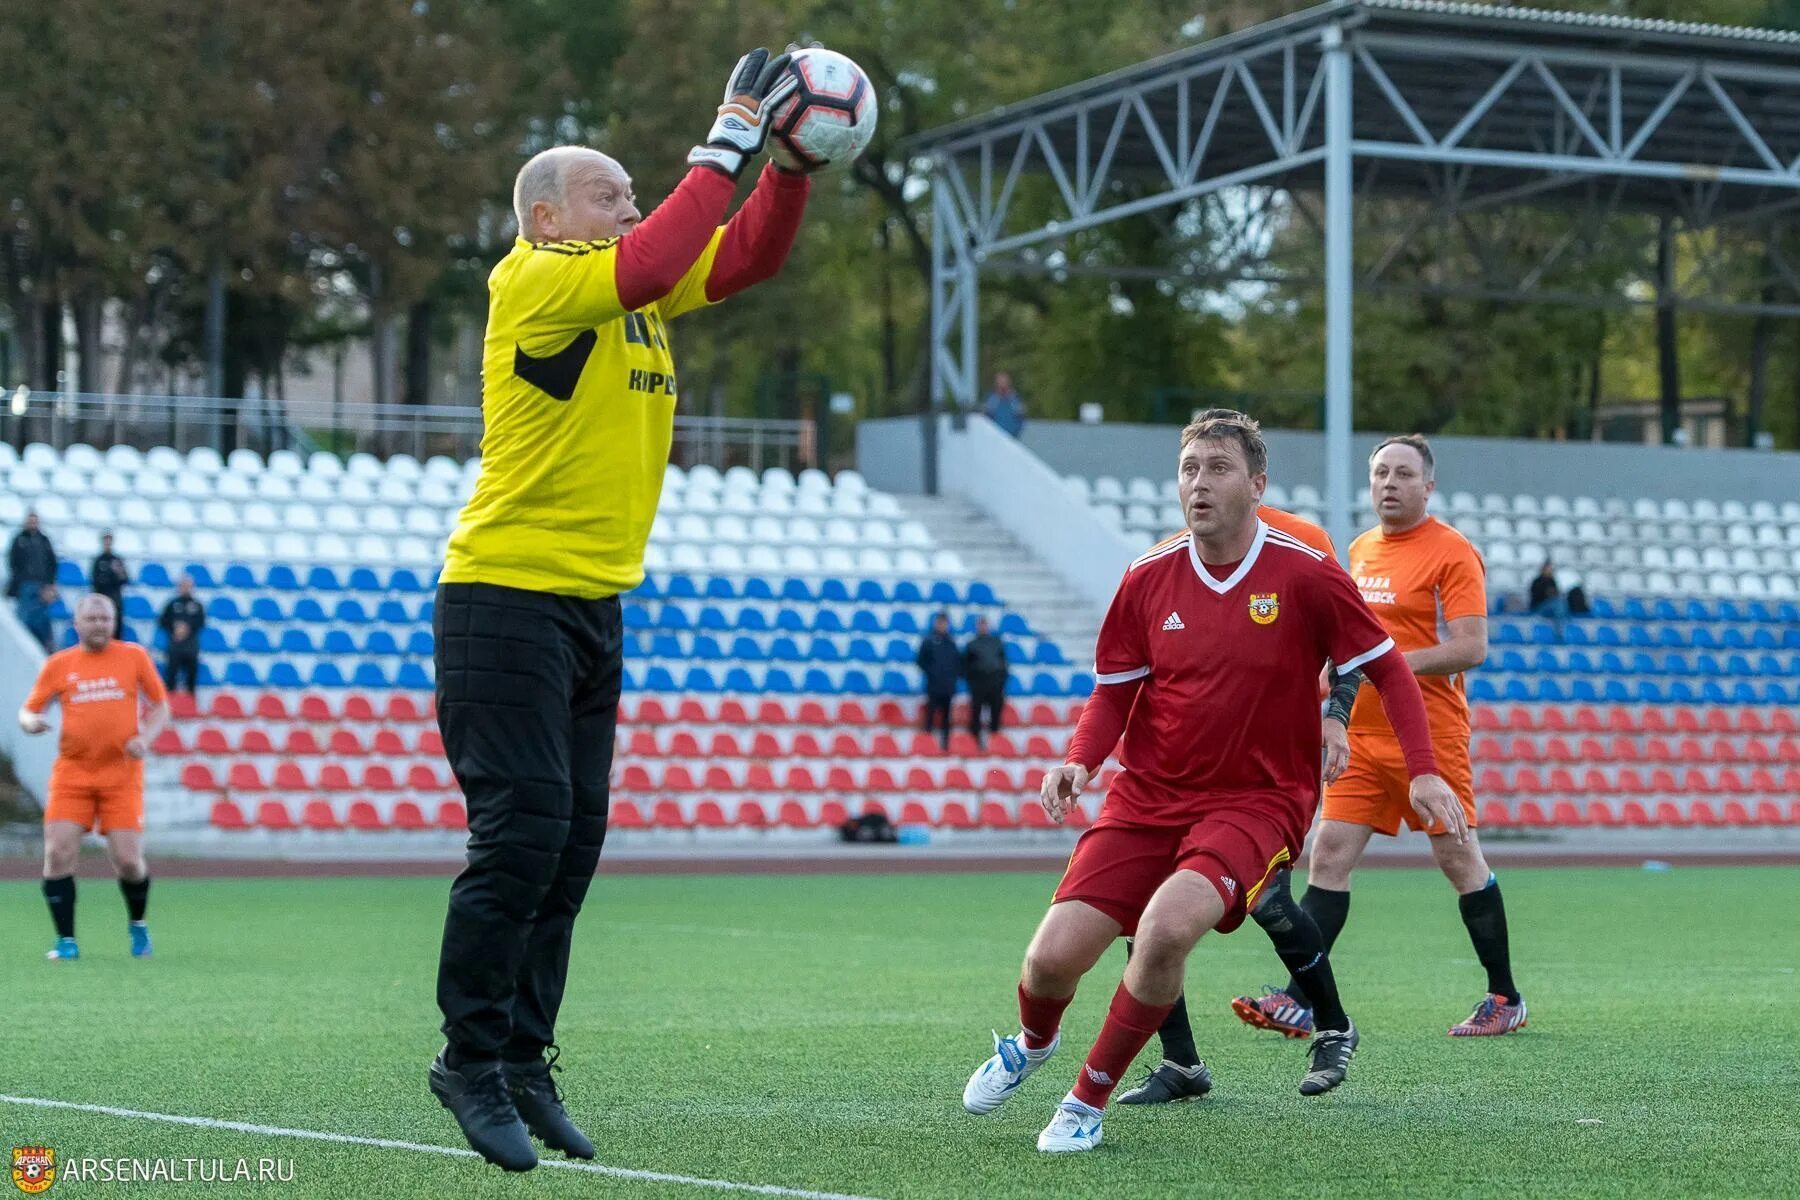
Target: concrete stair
x=1046 y=601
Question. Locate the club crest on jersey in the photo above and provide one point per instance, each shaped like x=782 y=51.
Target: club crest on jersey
x=1265 y=608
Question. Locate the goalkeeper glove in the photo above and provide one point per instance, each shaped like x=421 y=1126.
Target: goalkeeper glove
x=757 y=86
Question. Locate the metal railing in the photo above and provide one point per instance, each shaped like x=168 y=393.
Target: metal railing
x=62 y=419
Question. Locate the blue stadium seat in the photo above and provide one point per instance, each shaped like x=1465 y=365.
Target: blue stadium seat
x=284 y=675
x=128 y=633
x=1081 y=683
x=362 y=579
x=699 y=679
x=203 y=578
x=254 y=641
x=1676 y=664
x=658 y=679
x=1643 y=664
x=326 y=674
x=1583 y=691
x=751 y=619
x=707 y=649
x=823 y=650
x=901 y=621
x=785 y=649
x=776 y=681
x=628 y=681
x=1664 y=610
x=672 y=617
x=413 y=678
x=827 y=621
x=713 y=618
x=1613 y=663
x=943 y=592
x=1549 y=691
x=758 y=588
x=1014 y=625
x=898 y=683
x=818 y=682
x=237 y=575
x=137 y=608
x=1789 y=613
x=1543 y=634
x=404 y=580
x=681 y=587
x=392 y=612
x=746 y=649
x=636 y=616
x=69 y=638
x=239 y=673
x=323 y=579
x=789 y=620
x=1639 y=635
x=1670 y=638
x=155 y=575
x=419 y=643
x=70 y=574
x=1637 y=609
x=720 y=588
x=1682 y=691
x=1048 y=654
x=1015 y=651
x=1764 y=639
x=1517 y=691
x=1702 y=637
x=1762 y=612
x=739 y=680
x=834 y=591
x=869 y=591
x=907 y=592
x=666 y=645
x=864 y=621
x=899 y=650
x=862 y=650
x=380 y=641
x=309 y=610
x=369 y=675
x=796 y=589
x=1603 y=608
x=59 y=610
x=856 y=683
x=981 y=593
x=1507 y=633
x=293 y=641
x=1730 y=637
x=205 y=677
x=337 y=641
x=1649 y=691
x=1776 y=693
x=630 y=647
x=1697 y=610
x=1510 y=661
x=212 y=641
x=1607 y=635
x=1615 y=691
x=351 y=612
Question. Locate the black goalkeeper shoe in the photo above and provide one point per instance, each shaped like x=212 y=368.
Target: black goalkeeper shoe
x=478 y=1098
x=1170 y=1082
x=540 y=1105
x=1332 y=1050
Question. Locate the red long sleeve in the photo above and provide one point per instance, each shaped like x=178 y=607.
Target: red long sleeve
x=666 y=244
x=1404 y=705
x=758 y=239
x=1103 y=721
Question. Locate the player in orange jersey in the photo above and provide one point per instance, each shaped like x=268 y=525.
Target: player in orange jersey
x=1429 y=587
x=112 y=709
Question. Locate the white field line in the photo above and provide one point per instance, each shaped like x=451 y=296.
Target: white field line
x=561 y=1164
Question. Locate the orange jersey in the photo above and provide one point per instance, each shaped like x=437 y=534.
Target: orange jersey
x=1415 y=581
x=100 y=695
x=1297 y=527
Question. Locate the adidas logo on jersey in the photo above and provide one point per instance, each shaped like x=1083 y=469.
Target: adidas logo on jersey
x=1173 y=622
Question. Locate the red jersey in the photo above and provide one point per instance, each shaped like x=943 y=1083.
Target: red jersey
x=1229 y=702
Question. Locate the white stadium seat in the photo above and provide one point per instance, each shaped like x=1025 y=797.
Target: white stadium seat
x=324 y=464
x=1142 y=490
x=442 y=468
x=405 y=468
x=381 y=519
x=124 y=458
x=1109 y=489
x=724 y=558
x=301 y=518
x=837 y=560
x=233 y=486
x=332 y=548
x=220 y=515
x=109 y=481
x=762 y=558
x=800 y=560
x=152 y=485
x=271 y=486
x=249 y=547
x=1078 y=487
x=286 y=463
x=244 y=461
x=363 y=466
x=82 y=457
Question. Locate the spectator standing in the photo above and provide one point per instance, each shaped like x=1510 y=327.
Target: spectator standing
x=942 y=664
x=31 y=570
x=109 y=579
x=36 y=618
x=183 y=617
x=1004 y=406
x=1547 y=600
x=984 y=666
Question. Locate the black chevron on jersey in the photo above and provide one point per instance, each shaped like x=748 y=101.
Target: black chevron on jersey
x=556 y=374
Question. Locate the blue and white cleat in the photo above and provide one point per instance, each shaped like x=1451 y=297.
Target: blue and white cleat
x=140 y=940
x=65 y=950
x=995 y=1080
x=1076 y=1126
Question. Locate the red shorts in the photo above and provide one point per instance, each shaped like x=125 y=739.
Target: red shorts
x=1117 y=866
x=105 y=809
x=1375 y=789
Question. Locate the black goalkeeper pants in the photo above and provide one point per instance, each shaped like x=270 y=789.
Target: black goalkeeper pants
x=527 y=701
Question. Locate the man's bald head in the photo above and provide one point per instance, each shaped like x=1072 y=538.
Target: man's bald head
x=94 y=616
x=573 y=193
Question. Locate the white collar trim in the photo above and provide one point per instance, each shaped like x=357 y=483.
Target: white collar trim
x=1237 y=576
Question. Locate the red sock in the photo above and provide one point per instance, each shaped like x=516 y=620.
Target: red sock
x=1040 y=1018
x=1130 y=1023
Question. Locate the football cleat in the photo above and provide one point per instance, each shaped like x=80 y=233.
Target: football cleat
x=995 y=1080
x=1076 y=1126
x=1170 y=1082
x=1332 y=1051
x=1491 y=1018
x=65 y=950
x=140 y=940
x=477 y=1096
x=1275 y=1009
x=540 y=1106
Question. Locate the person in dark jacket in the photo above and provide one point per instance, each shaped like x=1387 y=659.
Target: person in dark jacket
x=109 y=579
x=31 y=567
x=1546 y=599
x=984 y=666
x=942 y=664
x=183 y=617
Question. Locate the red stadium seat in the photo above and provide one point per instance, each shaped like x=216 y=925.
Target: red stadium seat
x=318 y=815
x=1531 y=815
x=1594 y=780
x=642 y=744
x=718 y=778
x=890 y=712
x=636 y=780
x=832 y=813
x=731 y=712
x=807 y=746
x=1558 y=750
x=1566 y=815
x=1757 y=751
x=377 y=778
x=1663 y=780
x=846 y=745
x=1686 y=721
x=1034 y=779
x=314 y=709
x=956 y=779
x=1769 y=813
x=421 y=778
x=1749 y=720
x=799 y=778
x=881 y=780
x=334 y=778
x=1521 y=720
x=1600 y=813
x=255 y=741
x=918 y=779
x=345 y=744
x=837 y=779
x=198 y=777
x=1658 y=749
x=851 y=712
x=1667 y=813
x=1631 y=783
x=1001 y=746
x=964 y=745
x=1040 y=746
x=1033 y=816
x=211 y=740
x=1588 y=720
x=1077 y=817
x=300 y=742
x=168 y=742
x=913 y=813
x=1562 y=780
x=225 y=707
x=813 y=715
x=1700 y=813
x=1552 y=720
x=708 y=815
x=1730 y=783
x=995 y=815
x=924 y=745
x=1621 y=720
x=1694 y=780
x=1043 y=714
x=431 y=743
x=682 y=744
x=875 y=806
x=388 y=744
x=692 y=712
x=183 y=708
x=453 y=816
x=624 y=814
x=759 y=778
x=1486 y=719
x=1623 y=749
x=271 y=707
x=998 y=779
x=1633 y=815
x=1718 y=720
x=363 y=816
x=245 y=777
x=1782 y=721
x=1690 y=750
x=1488 y=749
x=1736 y=814
x=289 y=778
x=227 y=815
x=724 y=744
x=358 y=708
x=273 y=814
x=884 y=745
x=792 y=815
x=765 y=745
x=408 y=816
x=1494 y=815
x=1527 y=781
x=954 y=815
x=751 y=815
x=402 y=710
x=677 y=778
x=1522 y=749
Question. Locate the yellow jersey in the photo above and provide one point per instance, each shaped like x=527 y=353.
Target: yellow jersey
x=579 y=399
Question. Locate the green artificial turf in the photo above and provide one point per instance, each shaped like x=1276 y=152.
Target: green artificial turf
x=815 y=1032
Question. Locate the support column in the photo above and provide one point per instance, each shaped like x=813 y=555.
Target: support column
x=955 y=328
x=1339 y=282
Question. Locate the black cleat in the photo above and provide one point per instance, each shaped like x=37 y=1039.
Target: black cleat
x=1332 y=1050
x=540 y=1106
x=478 y=1098
x=1170 y=1082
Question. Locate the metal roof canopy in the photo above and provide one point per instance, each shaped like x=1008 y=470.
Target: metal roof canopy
x=1465 y=105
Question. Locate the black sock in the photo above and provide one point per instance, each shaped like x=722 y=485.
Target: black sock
x=59 y=894
x=1301 y=948
x=1484 y=912
x=1328 y=910
x=1176 y=1034
x=137 y=896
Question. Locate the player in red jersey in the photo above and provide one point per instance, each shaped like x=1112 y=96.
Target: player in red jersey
x=1208 y=664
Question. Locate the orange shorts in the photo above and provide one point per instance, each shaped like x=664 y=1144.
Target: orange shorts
x=1117 y=866
x=109 y=809
x=1374 y=789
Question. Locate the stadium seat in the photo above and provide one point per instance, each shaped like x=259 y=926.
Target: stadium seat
x=227 y=815
x=453 y=816
x=407 y=815
x=363 y=816
x=273 y=815
x=318 y=815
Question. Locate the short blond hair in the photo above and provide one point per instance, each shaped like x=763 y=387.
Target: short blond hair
x=1230 y=425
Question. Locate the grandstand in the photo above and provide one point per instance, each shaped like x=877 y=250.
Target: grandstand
x=769 y=678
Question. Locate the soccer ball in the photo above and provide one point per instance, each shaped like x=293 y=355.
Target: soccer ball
x=830 y=118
